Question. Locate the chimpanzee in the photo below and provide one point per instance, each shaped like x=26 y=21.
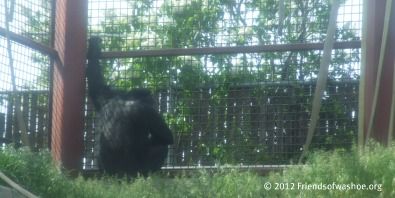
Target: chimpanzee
x=133 y=137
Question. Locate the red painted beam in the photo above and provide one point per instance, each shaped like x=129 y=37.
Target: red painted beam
x=373 y=41
x=69 y=83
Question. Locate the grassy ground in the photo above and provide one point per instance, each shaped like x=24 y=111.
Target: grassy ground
x=323 y=175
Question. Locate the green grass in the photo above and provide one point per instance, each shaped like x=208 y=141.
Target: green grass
x=376 y=166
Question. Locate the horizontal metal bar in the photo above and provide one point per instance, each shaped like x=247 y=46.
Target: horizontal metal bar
x=29 y=43
x=229 y=50
x=187 y=51
x=177 y=170
x=24 y=92
x=269 y=167
x=296 y=82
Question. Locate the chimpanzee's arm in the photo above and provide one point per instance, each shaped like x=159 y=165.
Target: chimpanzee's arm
x=160 y=132
x=97 y=88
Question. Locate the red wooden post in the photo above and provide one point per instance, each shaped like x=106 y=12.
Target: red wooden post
x=373 y=36
x=69 y=83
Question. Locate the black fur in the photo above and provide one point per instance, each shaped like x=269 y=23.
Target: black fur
x=133 y=137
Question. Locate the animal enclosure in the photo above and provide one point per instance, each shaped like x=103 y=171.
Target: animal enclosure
x=233 y=79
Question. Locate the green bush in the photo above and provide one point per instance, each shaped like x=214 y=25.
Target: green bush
x=346 y=169
x=34 y=171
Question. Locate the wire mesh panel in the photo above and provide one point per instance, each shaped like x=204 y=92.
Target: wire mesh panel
x=24 y=73
x=225 y=105
x=154 y=24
